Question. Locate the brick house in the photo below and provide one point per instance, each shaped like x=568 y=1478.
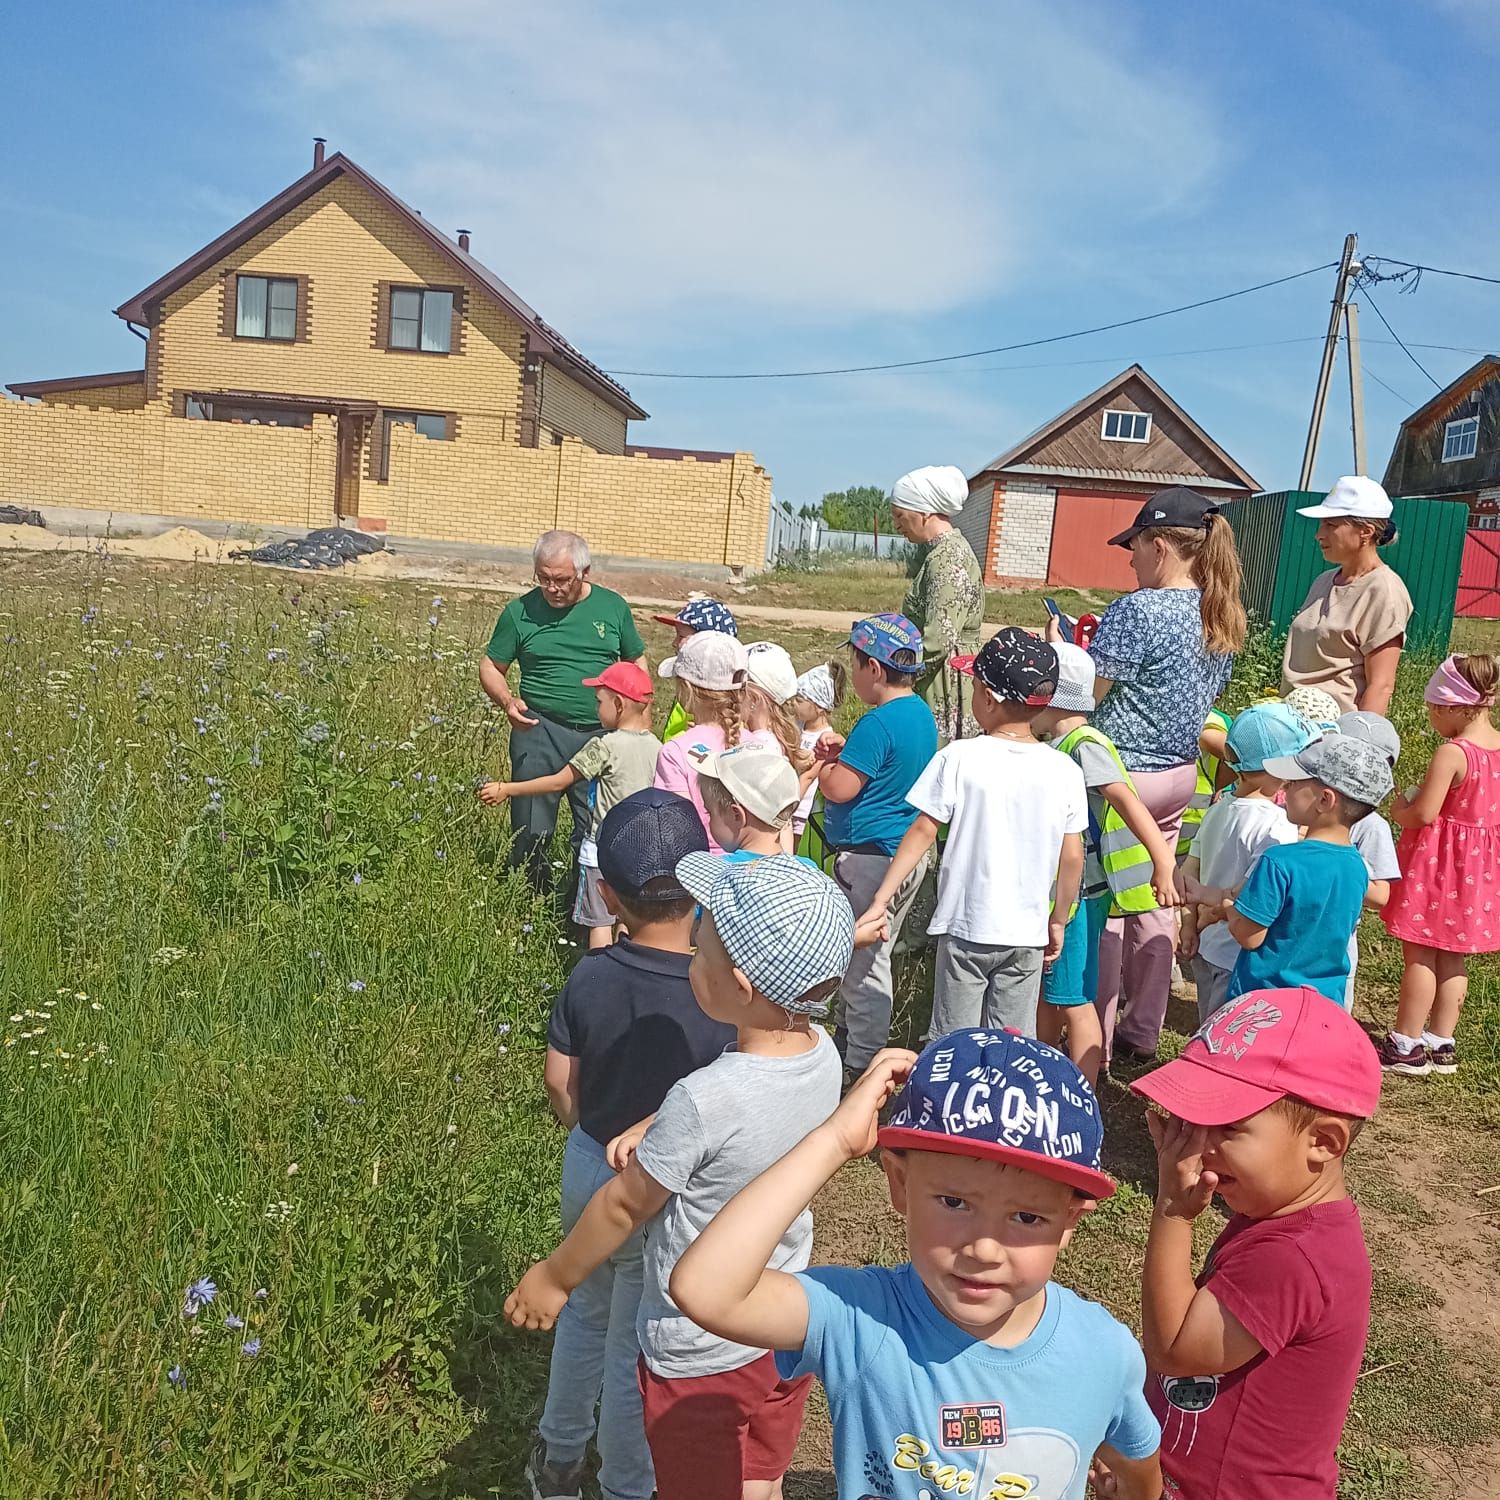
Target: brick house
x=1043 y=511
x=337 y=329
x=1449 y=448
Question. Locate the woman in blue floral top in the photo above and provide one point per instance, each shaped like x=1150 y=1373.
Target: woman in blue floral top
x=1162 y=656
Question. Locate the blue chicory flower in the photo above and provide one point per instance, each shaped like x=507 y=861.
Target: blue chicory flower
x=176 y=1378
x=231 y=1321
x=250 y=1348
x=356 y=986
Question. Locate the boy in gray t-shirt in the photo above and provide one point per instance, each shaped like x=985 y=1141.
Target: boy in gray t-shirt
x=775 y=939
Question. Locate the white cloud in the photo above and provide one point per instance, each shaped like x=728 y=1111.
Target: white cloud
x=824 y=163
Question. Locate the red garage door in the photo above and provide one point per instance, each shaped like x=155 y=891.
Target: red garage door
x=1479 y=577
x=1081 y=556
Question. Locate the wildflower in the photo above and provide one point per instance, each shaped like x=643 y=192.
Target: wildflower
x=250 y=1348
x=233 y=1322
x=317 y=733
x=432 y=619
x=437 y=601
x=176 y=1378
x=526 y=927
x=358 y=878
x=261 y=1294
x=442 y=854
x=199 y=1295
x=503 y=1029
x=356 y=986
x=292 y=1169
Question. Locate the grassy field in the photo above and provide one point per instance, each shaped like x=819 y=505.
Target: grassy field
x=274 y=1016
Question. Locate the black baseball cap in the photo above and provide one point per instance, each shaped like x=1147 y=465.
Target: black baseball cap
x=1015 y=665
x=641 y=840
x=1178 y=506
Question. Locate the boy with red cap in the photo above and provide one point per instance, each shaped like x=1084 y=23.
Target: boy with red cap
x=620 y=762
x=1252 y=1364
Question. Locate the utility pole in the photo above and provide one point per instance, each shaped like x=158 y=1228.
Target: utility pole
x=1356 y=385
x=1325 y=372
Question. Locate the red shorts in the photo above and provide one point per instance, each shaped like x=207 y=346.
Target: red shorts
x=710 y=1433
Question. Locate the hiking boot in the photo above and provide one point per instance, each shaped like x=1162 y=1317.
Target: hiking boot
x=552 y=1481
x=1417 y=1063
x=1444 y=1058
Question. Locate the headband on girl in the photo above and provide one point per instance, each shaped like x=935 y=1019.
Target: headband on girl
x=1449 y=688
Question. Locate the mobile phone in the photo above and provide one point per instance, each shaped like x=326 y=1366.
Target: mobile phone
x=1066 y=622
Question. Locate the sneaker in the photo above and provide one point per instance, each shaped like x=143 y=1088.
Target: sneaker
x=1417 y=1062
x=1444 y=1058
x=550 y=1481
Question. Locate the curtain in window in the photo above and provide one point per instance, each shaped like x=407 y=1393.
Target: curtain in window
x=250 y=307
x=437 y=321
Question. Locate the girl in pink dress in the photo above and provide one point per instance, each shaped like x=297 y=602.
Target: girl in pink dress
x=1447 y=903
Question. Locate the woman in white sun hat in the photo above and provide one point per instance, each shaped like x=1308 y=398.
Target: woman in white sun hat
x=1348 y=635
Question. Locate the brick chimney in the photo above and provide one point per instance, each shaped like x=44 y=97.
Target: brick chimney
x=463 y=239
x=318 y=143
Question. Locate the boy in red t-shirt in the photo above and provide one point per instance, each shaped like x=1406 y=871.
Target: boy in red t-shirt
x=1251 y=1367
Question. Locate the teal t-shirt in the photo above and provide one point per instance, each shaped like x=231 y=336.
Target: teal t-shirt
x=557 y=648
x=1308 y=897
x=890 y=746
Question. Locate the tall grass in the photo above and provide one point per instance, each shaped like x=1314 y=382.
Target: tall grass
x=262 y=966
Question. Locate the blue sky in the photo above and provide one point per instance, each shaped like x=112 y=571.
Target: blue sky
x=781 y=186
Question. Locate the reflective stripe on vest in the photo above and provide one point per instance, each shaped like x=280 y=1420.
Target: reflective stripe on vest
x=1127 y=865
x=1204 y=790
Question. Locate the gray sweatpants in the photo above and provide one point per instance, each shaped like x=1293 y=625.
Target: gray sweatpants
x=864 y=1003
x=540 y=751
x=984 y=984
x=1213 y=987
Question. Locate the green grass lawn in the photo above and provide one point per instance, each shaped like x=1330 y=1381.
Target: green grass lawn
x=273 y=1011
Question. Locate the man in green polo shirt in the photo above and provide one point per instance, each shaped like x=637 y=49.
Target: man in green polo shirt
x=564 y=630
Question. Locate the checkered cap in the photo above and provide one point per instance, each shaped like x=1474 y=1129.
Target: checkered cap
x=787 y=927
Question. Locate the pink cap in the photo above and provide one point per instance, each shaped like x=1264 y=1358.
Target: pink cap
x=626 y=679
x=1263 y=1046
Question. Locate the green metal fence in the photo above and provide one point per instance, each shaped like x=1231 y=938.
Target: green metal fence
x=1281 y=559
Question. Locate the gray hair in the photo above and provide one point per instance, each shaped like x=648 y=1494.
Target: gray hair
x=556 y=544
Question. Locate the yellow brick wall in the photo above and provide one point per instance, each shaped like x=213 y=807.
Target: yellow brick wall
x=346 y=242
x=482 y=488
x=574 y=410
x=110 y=397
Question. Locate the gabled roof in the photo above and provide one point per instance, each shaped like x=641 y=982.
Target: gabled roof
x=1474 y=375
x=541 y=336
x=1013 y=457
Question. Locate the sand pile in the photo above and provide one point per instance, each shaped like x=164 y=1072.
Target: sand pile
x=179 y=544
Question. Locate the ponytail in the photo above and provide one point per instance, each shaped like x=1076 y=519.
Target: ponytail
x=1388 y=534
x=782 y=722
x=1215 y=564
x=1482 y=673
x=839 y=675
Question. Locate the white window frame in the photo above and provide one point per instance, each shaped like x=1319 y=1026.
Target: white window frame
x=1449 y=436
x=1117 y=437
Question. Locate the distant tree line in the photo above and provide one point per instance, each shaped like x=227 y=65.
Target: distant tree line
x=862 y=507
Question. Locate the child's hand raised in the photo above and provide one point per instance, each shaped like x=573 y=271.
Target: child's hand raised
x=857 y=1119
x=1184 y=1188
x=538 y=1299
x=828 y=747
x=493 y=793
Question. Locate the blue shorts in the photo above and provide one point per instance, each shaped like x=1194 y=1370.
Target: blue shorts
x=1073 y=978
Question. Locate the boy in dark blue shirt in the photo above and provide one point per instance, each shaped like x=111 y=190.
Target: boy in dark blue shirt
x=864 y=780
x=624 y=1029
x=1299 y=908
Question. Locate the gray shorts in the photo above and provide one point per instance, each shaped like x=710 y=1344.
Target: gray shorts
x=589 y=909
x=1213 y=987
x=984 y=984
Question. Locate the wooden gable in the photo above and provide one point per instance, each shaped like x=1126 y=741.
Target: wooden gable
x=1416 y=465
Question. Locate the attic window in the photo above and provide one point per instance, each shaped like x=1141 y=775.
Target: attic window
x=1460 y=439
x=266 y=308
x=421 y=319
x=1127 y=426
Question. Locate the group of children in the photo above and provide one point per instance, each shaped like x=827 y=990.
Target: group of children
x=702 y=1095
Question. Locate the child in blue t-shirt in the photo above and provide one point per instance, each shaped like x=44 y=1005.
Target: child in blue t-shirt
x=1300 y=906
x=967 y=1370
x=864 y=781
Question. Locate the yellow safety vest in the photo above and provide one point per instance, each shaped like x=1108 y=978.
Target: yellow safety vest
x=1204 y=791
x=1127 y=865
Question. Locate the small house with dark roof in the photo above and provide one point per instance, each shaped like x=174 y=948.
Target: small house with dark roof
x=1449 y=448
x=1042 y=512
x=336 y=357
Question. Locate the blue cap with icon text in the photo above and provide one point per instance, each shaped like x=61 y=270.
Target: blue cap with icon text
x=1001 y=1096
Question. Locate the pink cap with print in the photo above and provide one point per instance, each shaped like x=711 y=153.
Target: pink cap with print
x=1263 y=1046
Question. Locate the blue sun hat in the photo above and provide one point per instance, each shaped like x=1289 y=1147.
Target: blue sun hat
x=1266 y=730
x=1001 y=1096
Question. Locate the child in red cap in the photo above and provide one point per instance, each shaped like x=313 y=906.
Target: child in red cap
x=1251 y=1367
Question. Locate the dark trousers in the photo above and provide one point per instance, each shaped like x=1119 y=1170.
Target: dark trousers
x=541 y=751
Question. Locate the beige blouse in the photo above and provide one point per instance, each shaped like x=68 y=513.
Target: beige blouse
x=1338 y=625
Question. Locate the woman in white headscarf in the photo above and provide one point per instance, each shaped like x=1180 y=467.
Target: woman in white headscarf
x=946 y=598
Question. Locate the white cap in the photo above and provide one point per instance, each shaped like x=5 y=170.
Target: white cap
x=1352 y=496
x=758 y=778
x=768 y=666
x=708 y=660
x=1075 y=679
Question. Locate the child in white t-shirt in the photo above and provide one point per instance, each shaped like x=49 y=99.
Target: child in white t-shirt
x=1017 y=812
x=1233 y=835
x=1372 y=834
x=820 y=690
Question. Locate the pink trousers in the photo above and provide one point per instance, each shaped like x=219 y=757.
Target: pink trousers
x=1136 y=953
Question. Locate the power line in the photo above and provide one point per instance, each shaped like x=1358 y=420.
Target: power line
x=1378 y=381
x=1375 y=308
x=1410 y=265
x=940 y=359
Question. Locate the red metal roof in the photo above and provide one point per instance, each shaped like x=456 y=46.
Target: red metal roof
x=543 y=339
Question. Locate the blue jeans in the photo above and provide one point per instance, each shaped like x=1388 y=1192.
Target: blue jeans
x=1073 y=978
x=594 y=1349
